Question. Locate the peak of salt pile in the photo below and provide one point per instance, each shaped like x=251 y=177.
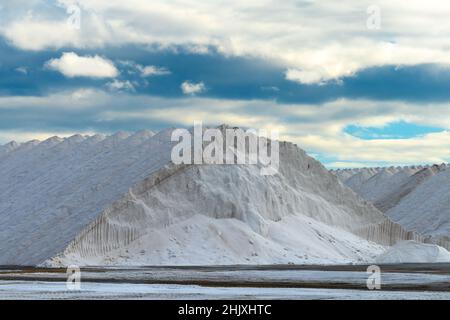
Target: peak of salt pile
x=8 y=147
x=119 y=200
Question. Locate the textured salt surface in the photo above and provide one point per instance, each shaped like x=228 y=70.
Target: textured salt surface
x=415 y=197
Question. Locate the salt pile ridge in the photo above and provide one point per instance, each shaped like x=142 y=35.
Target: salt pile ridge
x=98 y=200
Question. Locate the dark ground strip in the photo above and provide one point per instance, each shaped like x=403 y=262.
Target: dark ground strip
x=54 y=275
x=430 y=268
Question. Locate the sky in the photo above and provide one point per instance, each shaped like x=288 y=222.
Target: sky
x=354 y=83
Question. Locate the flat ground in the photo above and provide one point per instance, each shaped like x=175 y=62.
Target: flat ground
x=406 y=281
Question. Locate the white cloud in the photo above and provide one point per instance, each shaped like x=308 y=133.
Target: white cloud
x=117 y=85
x=23 y=70
x=306 y=76
x=192 y=88
x=72 y=65
x=148 y=71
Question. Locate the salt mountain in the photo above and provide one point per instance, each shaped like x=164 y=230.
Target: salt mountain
x=103 y=200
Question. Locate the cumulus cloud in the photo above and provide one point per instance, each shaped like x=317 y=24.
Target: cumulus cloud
x=72 y=65
x=313 y=76
x=192 y=88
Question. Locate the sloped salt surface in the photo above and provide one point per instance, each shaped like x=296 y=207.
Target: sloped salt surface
x=384 y=183
x=385 y=187
x=415 y=197
x=400 y=188
x=357 y=180
x=50 y=191
x=427 y=208
x=208 y=214
x=413 y=252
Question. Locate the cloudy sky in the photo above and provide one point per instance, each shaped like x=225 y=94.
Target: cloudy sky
x=353 y=82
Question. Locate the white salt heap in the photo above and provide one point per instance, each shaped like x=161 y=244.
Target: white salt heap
x=414 y=252
x=119 y=200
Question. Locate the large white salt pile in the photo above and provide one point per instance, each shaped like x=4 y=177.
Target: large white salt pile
x=120 y=200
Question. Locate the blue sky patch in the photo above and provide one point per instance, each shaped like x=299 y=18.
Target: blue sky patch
x=394 y=130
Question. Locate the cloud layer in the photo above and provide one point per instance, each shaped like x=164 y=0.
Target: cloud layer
x=315 y=41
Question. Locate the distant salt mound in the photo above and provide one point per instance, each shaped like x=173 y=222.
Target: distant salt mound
x=415 y=197
x=414 y=252
x=376 y=184
x=427 y=208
